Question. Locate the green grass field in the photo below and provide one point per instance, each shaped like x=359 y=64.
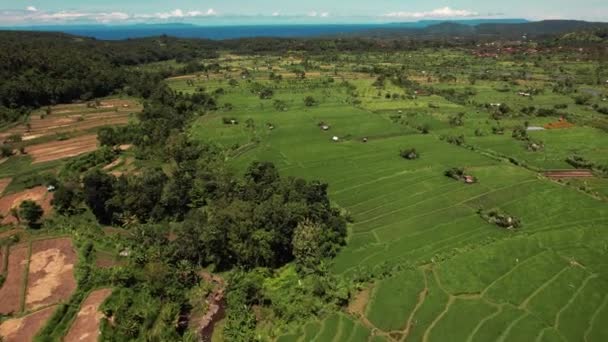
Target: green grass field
x=452 y=275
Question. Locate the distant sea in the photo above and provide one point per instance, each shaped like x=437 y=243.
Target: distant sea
x=118 y=32
x=211 y=32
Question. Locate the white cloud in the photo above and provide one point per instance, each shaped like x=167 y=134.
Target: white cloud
x=177 y=13
x=276 y=14
x=444 y=12
x=324 y=14
x=110 y=17
x=31 y=9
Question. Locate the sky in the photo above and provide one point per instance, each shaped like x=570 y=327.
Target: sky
x=235 y=12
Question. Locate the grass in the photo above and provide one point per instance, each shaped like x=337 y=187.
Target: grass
x=484 y=283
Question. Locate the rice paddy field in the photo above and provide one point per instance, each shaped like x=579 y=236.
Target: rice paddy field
x=439 y=270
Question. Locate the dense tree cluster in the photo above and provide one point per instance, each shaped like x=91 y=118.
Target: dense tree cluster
x=39 y=69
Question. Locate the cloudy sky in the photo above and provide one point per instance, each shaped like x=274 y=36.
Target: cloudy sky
x=212 y=12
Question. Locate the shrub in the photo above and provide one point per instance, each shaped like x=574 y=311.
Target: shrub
x=6 y=150
x=266 y=94
x=409 y=154
x=579 y=162
x=456 y=173
x=454 y=140
x=457 y=120
x=499 y=218
x=520 y=133
x=310 y=101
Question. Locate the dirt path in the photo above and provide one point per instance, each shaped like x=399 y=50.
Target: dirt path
x=85 y=327
x=10 y=293
x=25 y=329
x=205 y=325
x=51 y=273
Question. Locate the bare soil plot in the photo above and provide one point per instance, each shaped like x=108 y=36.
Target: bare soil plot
x=560 y=174
x=56 y=150
x=4 y=184
x=51 y=273
x=38 y=194
x=75 y=117
x=359 y=303
x=10 y=293
x=85 y=327
x=25 y=328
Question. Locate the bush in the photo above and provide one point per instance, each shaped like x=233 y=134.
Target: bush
x=409 y=154
x=520 y=133
x=310 y=101
x=497 y=217
x=454 y=140
x=266 y=94
x=6 y=150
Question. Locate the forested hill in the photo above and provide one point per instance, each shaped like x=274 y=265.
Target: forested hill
x=39 y=69
x=536 y=30
x=43 y=68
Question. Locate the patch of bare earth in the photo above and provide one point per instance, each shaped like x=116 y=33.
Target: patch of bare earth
x=51 y=274
x=56 y=150
x=358 y=305
x=560 y=174
x=10 y=293
x=25 y=328
x=85 y=327
x=4 y=184
x=38 y=194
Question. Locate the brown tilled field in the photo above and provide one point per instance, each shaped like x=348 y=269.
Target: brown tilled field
x=85 y=327
x=10 y=293
x=56 y=150
x=38 y=194
x=25 y=328
x=75 y=117
x=560 y=174
x=51 y=274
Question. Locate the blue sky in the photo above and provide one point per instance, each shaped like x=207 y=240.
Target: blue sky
x=215 y=12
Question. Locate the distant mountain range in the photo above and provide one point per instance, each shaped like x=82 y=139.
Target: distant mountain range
x=474 y=28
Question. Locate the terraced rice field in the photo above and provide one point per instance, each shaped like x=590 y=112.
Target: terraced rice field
x=452 y=275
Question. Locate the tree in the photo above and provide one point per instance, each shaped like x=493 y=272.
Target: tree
x=98 y=190
x=31 y=212
x=66 y=198
x=306 y=244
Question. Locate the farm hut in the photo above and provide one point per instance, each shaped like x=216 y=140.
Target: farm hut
x=335 y=138
x=469 y=179
x=365 y=140
x=325 y=127
x=234 y=122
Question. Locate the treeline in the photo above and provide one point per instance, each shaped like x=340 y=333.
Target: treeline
x=39 y=69
x=190 y=211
